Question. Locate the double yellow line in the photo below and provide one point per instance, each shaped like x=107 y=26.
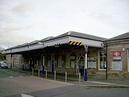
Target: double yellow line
x=75 y=43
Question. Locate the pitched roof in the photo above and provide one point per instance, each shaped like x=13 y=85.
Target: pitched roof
x=82 y=35
x=69 y=33
x=119 y=37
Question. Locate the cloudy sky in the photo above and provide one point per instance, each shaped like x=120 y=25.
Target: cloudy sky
x=27 y=20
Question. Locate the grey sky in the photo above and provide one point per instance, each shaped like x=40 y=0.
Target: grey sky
x=27 y=20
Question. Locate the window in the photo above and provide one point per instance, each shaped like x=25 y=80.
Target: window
x=63 y=61
x=56 y=60
x=48 y=61
x=116 y=65
x=117 y=60
x=67 y=61
x=91 y=62
x=72 y=61
x=59 y=61
x=102 y=61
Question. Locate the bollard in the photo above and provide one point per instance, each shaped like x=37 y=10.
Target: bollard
x=54 y=75
x=32 y=71
x=79 y=77
x=46 y=73
x=65 y=76
x=85 y=75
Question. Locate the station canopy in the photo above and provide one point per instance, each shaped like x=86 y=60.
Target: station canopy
x=70 y=38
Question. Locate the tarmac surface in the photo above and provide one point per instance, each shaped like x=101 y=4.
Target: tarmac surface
x=77 y=91
x=14 y=86
x=39 y=87
x=21 y=84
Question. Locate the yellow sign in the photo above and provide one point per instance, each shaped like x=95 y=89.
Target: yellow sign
x=75 y=43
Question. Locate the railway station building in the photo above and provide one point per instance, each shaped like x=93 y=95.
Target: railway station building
x=72 y=51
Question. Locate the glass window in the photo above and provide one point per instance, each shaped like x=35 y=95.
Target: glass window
x=56 y=60
x=63 y=61
x=102 y=61
x=59 y=61
x=117 y=65
x=91 y=62
x=72 y=63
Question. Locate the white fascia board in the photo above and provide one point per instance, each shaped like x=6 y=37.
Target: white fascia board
x=25 y=48
x=35 y=46
x=88 y=42
x=52 y=42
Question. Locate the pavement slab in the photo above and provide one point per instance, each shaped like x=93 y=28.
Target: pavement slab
x=101 y=84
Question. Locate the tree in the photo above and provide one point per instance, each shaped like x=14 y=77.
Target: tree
x=2 y=56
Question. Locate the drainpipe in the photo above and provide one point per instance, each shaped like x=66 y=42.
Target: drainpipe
x=11 y=62
x=106 y=61
x=85 y=65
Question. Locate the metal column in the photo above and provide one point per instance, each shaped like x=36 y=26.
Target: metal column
x=43 y=63
x=85 y=65
x=43 y=66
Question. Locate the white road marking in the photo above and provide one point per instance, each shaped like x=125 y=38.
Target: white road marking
x=25 y=95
